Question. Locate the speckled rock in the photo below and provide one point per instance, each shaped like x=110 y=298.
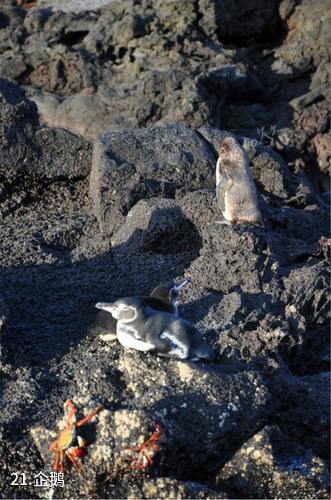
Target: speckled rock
x=193 y=421
x=270 y=466
x=171 y=488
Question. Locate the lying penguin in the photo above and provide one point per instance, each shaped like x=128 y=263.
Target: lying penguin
x=162 y=298
x=235 y=189
x=141 y=326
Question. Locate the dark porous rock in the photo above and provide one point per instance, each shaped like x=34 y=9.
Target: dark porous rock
x=307 y=41
x=154 y=97
x=225 y=252
x=154 y=66
x=248 y=326
x=310 y=427
x=295 y=223
x=306 y=290
x=11 y=20
x=41 y=152
x=62 y=154
x=3 y=319
x=64 y=72
x=210 y=62
x=161 y=161
x=156 y=238
x=169 y=487
x=63 y=235
x=158 y=226
x=238 y=20
x=269 y=465
x=195 y=408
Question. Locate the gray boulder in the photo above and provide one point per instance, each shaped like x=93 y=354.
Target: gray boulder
x=161 y=161
x=29 y=149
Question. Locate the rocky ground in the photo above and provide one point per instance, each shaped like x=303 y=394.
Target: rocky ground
x=111 y=113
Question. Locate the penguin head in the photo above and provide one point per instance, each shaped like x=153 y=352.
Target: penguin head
x=176 y=289
x=162 y=292
x=231 y=150
x=124 y=310
x=169 y=292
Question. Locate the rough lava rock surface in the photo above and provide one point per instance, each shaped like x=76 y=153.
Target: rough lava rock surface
x=110 y=121
x=127 y=166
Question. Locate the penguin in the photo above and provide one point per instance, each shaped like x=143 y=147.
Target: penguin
x=163 y=298
x=141 y=327
x=235 y=189
x=168 y=295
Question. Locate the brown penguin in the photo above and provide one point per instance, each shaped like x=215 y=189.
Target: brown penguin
x=235 y=189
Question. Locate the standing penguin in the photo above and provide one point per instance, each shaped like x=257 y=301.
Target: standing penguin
x=162 y=298
x=141 y=327
x=235 y=189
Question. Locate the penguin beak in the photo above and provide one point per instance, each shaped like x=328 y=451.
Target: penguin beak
x=181 y=284
x=105 y=306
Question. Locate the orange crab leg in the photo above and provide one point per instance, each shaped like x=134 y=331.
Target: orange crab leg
x=61 y=461
x=134 y=448
x=53 y=446
x=142 y=446
x=56 y=463
x=149 y=460
x=71 y=458
x=88 y=417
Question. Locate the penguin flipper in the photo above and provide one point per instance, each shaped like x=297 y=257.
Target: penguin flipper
x=170 y=345
x=222 y=187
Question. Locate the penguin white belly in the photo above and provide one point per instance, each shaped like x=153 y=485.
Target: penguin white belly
x=126 y=337
x=227 y=213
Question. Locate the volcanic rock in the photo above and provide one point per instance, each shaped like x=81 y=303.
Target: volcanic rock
x=268 y=465
x=161 y=161
x=27 y=149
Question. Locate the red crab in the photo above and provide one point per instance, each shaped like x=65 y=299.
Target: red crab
x=69 y=442
x=148 y=449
